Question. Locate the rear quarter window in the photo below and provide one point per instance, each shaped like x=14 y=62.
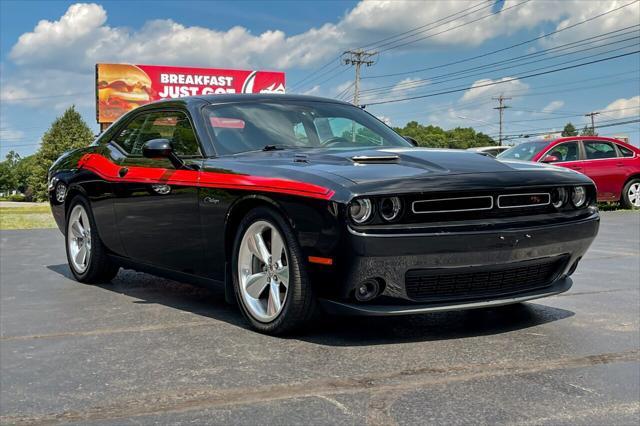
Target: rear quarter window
x=625 y=152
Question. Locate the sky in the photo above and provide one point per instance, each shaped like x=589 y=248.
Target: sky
x=452 y=57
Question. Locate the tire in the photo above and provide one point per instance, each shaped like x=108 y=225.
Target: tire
x=630 y=198
x=95 y=267
x=296 y=305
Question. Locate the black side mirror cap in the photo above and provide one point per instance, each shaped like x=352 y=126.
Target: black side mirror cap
x=411 y=140
x=161 y=148
x=157 y=148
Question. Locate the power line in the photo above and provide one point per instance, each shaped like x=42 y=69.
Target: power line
x=298 y=84
x=506 y=80
x=468 y=10
x=444 y=78
x=504 y=9
x=505 y=48
x=547 y=130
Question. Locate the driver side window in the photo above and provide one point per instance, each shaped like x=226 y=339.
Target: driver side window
x=565 y=151
x=171 y=125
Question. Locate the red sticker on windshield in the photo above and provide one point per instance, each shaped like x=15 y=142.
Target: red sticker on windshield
x=227 y=123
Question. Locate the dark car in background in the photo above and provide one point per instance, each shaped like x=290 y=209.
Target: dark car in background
x=612 y=164
x=292 y=203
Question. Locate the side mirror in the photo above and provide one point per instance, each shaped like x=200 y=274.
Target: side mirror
x=161 y=148
x=411 y=140
x=550 y=159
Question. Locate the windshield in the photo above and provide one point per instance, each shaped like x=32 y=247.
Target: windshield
x=252 y=126
x=524 y=151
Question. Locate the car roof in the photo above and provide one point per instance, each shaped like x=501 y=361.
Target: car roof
x=265 y=97
x=592 y=138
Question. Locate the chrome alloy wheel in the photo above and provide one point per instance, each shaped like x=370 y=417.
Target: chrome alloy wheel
x=263 y=271
x=634 y=194
x=79 y=239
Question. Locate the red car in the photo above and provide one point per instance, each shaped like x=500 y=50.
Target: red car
x=613 y=165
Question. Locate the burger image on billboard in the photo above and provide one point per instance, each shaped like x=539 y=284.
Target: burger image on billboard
x=121 y=88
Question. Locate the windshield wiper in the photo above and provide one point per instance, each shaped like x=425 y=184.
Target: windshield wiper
x=275 y=147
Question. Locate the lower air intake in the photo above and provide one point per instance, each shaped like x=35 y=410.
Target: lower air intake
x=470 y=283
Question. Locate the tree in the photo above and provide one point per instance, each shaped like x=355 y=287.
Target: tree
x=22 y=171
x=436 y=137
x=569 y=130
x=67 y=132
x=588 y=131
x=8 y=180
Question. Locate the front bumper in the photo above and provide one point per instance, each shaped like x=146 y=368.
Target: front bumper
x=343 y=308
x=389 y=257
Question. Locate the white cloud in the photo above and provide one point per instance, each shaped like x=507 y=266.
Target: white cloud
x=574 y=11
x=486 y=88
x=8 y=133
x=408 y=85
x=622 y=108
x=386 y=120
x=313 y=91
x=553 y=106
x=82 y=36
x=54 y=89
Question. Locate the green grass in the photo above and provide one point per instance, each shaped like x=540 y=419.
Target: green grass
x=31 y=217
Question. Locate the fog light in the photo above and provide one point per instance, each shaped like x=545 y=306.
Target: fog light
x=367 y=290
x=361 y=210
x=61 y=192
x=579 y=196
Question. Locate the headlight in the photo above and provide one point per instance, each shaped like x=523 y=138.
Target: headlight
x=558 y=197
x=361 y=210
x=579 y=196
x=390 y=208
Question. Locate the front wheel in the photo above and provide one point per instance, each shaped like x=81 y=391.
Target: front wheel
x=631 y=195
x=270 y=281
x=86 y=254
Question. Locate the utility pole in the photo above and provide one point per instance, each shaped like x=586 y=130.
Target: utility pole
x=593 y=123
x=501 y=107
x=358 y=58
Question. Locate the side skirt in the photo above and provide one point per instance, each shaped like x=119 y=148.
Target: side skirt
x=167 y=273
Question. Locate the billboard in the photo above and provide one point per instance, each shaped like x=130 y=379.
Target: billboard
x=123 y=87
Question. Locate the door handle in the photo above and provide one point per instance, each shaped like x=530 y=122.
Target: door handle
x=619 y=165
x=123 y=172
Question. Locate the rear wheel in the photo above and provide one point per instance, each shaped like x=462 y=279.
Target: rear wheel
x=86 y=254
x=270 y=281
x=631 y=195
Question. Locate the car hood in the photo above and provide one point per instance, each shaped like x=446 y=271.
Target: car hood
x=402 y=169
x=371 y=165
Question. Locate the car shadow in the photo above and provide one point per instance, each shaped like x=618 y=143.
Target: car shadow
x=337 y=330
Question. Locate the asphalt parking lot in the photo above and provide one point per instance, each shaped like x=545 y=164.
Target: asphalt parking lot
x=151 y=351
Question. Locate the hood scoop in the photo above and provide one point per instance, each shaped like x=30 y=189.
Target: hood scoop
x=375 y=159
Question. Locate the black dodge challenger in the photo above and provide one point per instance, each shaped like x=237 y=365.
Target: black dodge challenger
x=296 y=203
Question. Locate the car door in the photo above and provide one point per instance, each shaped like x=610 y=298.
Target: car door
x=156 y=206
x=602 y=165
x=568 y=154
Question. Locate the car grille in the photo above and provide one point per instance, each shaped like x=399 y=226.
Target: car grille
x=451 y=207
x=480 y=282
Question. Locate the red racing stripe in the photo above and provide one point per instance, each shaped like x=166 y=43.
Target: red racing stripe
x=109 y=171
